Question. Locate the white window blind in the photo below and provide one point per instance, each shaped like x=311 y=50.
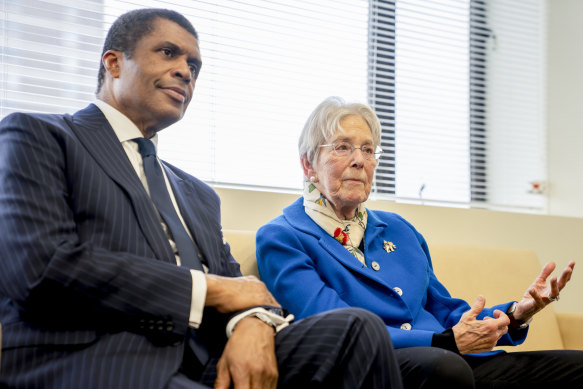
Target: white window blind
x=49 y=54
x=266 y=65
x=458 y=85
x=461 y=86
x=516 y=103
x=432 y=100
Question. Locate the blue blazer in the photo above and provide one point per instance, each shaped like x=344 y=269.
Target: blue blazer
x=90 y=295
x=308 y=271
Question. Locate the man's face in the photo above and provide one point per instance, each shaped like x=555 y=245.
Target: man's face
x=154 y=87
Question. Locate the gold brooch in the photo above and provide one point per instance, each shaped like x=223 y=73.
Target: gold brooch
x=389 y=246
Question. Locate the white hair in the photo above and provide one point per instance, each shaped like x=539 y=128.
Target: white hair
x=324 y=122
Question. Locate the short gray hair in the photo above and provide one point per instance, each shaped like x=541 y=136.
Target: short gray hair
x=324 y=121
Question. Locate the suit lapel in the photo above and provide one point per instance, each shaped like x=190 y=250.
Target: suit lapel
x=95 y=133
x=197 y=220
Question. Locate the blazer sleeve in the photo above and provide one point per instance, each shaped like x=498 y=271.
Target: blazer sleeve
x=51 y=273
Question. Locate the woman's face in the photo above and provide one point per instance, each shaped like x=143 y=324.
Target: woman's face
x=345 y=181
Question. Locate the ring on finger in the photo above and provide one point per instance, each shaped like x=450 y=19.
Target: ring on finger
x=551 y=299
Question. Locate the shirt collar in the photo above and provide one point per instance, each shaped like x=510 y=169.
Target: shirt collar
x=123 y=127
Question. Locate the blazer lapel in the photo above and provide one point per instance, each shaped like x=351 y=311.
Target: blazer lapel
x=298 y=218
x=95 y=133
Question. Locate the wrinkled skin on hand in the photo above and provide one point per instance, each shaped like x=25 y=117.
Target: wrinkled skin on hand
x=537 y=295
x=476 y=336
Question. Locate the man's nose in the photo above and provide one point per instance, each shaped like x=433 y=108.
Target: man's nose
x=182 y=70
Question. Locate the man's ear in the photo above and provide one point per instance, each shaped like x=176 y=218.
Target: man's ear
x=307 y=166
x=112 y=59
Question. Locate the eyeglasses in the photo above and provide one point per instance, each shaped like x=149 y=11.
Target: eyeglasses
x=345 y=149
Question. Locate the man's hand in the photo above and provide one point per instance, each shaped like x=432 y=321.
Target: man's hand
x=476 y=336
x=229 y=294
x=248 y=360
x=539 y=294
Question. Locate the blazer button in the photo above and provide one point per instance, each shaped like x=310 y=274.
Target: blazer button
x=406 y=326
x=398 y=290
x=375 y=266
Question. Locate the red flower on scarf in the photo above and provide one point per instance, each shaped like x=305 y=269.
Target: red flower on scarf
x=341 y=236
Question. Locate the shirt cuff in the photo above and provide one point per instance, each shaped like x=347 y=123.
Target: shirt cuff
x=198 y=298
x=276 y=321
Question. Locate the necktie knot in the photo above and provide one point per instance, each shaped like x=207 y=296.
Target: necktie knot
x=145 y=147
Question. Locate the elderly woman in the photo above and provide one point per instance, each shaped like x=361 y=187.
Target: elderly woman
x=328 y=251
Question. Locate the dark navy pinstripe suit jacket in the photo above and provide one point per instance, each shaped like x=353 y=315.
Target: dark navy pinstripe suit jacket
x=90 y=295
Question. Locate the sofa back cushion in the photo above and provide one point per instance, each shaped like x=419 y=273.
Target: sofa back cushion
x=500 y=275
x=242 y=244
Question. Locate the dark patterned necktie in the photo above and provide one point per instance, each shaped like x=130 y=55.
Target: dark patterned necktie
x=159 y=193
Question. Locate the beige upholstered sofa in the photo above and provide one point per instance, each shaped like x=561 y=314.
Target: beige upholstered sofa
x=499 y=274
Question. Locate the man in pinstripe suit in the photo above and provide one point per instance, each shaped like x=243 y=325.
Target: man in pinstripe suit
x=93 y=293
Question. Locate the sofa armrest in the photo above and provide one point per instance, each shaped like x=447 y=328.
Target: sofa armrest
x=571 y=326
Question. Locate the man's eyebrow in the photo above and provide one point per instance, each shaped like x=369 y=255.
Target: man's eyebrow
x=178 y=50
x=170 y=45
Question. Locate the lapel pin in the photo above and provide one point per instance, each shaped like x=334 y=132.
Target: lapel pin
x=389 y=246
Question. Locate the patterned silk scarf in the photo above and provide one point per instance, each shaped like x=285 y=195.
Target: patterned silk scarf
x=349 y=233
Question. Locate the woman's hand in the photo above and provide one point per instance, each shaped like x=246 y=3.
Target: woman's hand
x=476 y=336
x=540 y=294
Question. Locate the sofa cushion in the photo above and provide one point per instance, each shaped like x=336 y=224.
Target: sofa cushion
x=243 y=250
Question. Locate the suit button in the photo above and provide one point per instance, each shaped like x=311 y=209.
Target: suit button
x=398 y=290
x=406 y=326
x=375 y=266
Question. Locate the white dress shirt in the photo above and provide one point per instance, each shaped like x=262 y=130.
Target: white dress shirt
x=126 y=130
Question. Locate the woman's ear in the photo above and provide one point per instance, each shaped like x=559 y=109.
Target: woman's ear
x=307 y=166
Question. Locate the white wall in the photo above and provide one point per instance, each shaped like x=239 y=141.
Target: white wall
x=565 y=108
